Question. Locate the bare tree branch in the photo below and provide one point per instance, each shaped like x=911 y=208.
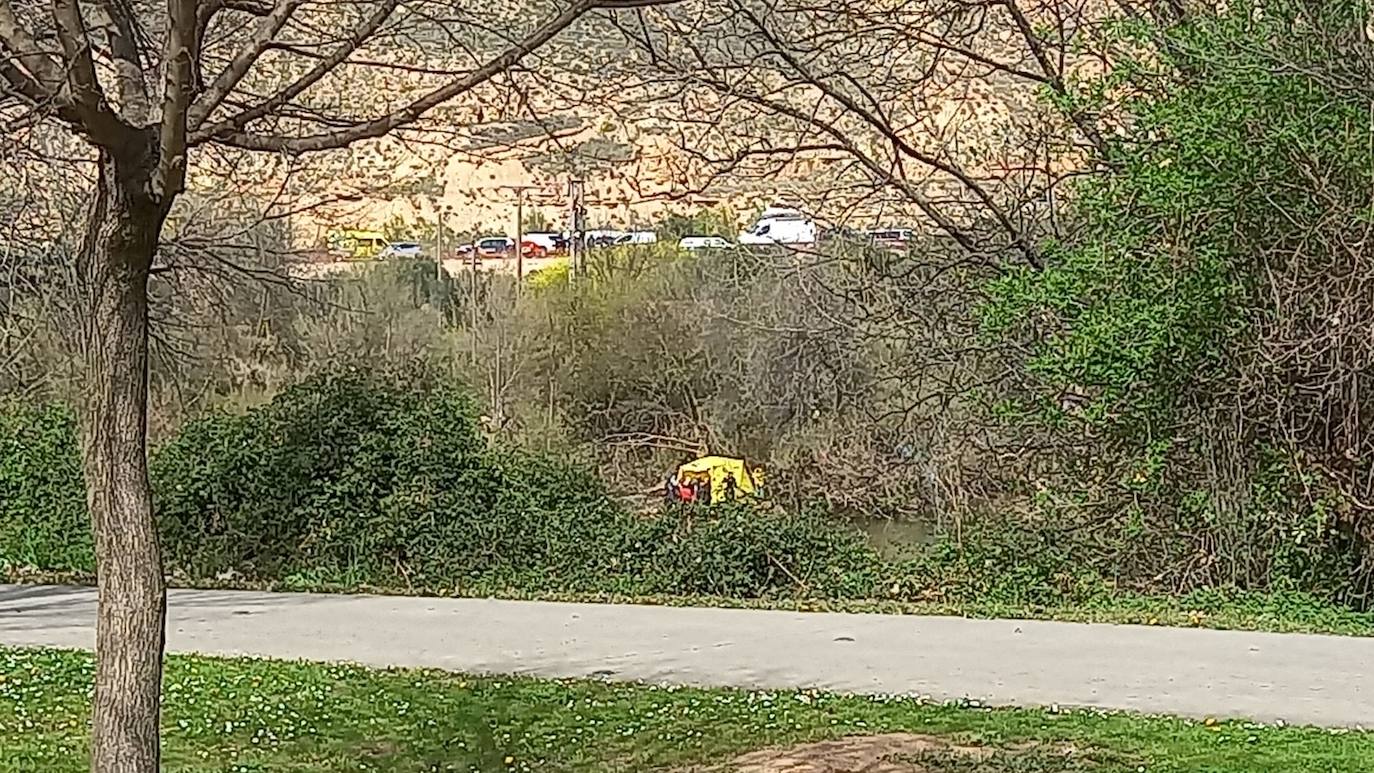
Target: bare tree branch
x=365 y=29
x=918 y=198
x=1053 y=73
x=41 y=72
x=121 y=29
x=229 y=77
x=22 y=84
x=254 y=7
x=884 y=127
x=411 y=113
x=100 y=122
x=181 y=52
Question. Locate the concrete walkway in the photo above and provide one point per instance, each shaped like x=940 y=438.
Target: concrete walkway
x=1325 y=680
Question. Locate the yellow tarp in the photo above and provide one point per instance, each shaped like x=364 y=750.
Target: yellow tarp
x=718 y=468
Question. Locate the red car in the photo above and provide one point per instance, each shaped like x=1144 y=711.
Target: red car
x=504 y=247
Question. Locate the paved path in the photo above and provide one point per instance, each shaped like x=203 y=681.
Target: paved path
x=1325 y=680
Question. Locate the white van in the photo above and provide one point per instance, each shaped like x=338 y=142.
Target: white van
x=779 y=225
x=704 y=243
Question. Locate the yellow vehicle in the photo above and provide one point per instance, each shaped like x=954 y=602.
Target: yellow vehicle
x=716 y=469
x=357 y=244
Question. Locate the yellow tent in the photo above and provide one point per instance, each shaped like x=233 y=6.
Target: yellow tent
x=717 y=469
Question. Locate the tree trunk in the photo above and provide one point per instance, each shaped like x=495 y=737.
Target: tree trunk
x=114 y=262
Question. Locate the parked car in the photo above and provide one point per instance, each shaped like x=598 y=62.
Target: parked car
x=494 y=247
x=355 y=244
x=638 y=237
x=602 y=238
x=402 y=250
x=892 y=238
x=779 y=225
x=553 y=243
x=504 y=247
x=704 y=243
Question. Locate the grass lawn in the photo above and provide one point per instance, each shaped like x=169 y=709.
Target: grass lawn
x=256 y=715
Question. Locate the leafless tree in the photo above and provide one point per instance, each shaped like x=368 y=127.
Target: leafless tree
x=934 y=111
x=146 y=89
x=955 y=117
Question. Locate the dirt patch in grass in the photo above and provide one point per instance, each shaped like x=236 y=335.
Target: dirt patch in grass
x=908 y=753
x=888 y=753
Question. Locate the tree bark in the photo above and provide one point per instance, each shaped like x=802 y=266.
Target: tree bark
x=114 y=263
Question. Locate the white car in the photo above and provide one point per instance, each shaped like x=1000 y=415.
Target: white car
x=551 y=241
x=781 y=226
x=402 y=250
x=602 y=238
x=704 y=243
x=638 y=237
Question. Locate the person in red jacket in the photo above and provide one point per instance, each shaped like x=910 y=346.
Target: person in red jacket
x=686 y=491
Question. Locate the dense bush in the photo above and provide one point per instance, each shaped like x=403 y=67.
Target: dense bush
x=339 y=472
x=42 y=499
x=357 y=478
x=1198 y=353
x=375 y=478
x=736 y=551
x=385 y=478
x=361 y=478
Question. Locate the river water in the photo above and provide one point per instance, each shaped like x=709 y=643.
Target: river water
x=896 y=539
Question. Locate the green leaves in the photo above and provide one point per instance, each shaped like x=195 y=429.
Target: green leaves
x=1184 y=347
x=43 y=522
x=382 y=478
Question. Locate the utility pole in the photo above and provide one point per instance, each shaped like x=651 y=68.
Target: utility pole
x=439 y=248
x=519 y=228
x=576 y=216
x=472 y=303
x=519 y=238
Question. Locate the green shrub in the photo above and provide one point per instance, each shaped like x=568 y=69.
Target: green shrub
x=352 y=470
x=385 y=479
x=381 y=478
x=43 y=520
x=1001 y=561
x=739 y=551
x=556 y=526
x=1190 y=364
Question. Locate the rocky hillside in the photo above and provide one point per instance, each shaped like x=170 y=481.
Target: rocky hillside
x=648 y=133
